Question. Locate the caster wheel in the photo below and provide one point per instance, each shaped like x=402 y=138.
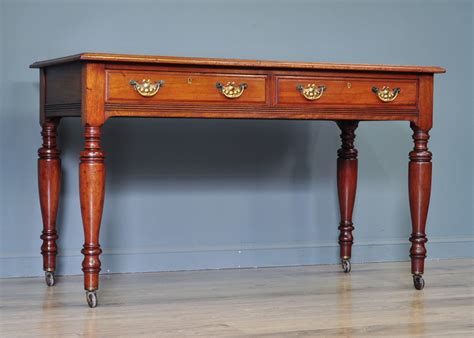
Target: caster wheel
x=91 y=297
x=346 y=265
x=49 y=278
x=418 y=282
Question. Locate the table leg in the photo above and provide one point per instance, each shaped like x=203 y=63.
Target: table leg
x=347 y=185
x=419 y=182
x=92 y=188
x=49 y=185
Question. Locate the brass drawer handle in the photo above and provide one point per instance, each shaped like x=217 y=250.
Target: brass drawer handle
x=147 y=87
x=385 y=94
x=230 y=90
x=311 y=92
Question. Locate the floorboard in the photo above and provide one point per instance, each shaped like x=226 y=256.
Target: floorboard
x=375 y=299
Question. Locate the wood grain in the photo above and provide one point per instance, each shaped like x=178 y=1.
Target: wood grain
x=170 y=60
x=97 y=86
x=63 y=83
x=362 y=113
x=375 y=300
x=49 y=187
x=92 y=193
x=184 y=87
x=93 y=94
x=419 y=187
x=346 y=185
x=106 y=92
x=346 y=91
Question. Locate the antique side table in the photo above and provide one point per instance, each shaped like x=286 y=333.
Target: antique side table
x=97 y=86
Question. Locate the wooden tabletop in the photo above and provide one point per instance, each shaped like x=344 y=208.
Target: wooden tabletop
x=105 y=57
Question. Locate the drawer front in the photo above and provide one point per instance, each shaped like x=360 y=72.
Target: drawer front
x=185 y=87
x=347 y=91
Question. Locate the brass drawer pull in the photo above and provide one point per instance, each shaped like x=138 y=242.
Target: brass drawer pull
x=385 y=94
x=147 y=87
x=230 y=90
x=311 y=92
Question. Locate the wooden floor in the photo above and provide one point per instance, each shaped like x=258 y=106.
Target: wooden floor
x=374 y=300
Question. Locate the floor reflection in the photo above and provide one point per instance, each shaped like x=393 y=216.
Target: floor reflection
x=90 y=323
x=344 y=304
x=48 y=305
x=417 y=313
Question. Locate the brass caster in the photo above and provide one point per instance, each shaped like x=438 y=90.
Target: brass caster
x=346 y=265
x=418 y=282
x=91 y=297
x=49 y=278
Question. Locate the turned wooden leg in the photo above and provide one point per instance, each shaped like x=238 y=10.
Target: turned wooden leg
x=49 y=185
x=92 y=187
x=419 y=185
x=346 y=186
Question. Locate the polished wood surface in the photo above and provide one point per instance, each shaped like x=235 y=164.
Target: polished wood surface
x=419 y=183
x=346 y=91
x=97 y=87
x=64 y=84
x=92 y=191
x=183 y=87
x=107 y=57
x=271 y=92
x=376 y=300
x=346 y=185
x=49 y=186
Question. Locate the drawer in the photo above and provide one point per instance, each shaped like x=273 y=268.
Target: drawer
x=125 y=85
x=347 y=91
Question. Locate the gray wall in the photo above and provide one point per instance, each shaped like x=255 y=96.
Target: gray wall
x=193 y=194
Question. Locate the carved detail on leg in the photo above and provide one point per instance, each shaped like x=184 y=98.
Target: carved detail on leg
x=92 y=188
x=49 y=185
x=419 y=182
x=347 y=185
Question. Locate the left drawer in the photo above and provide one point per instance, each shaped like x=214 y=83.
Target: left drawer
x=162 y=86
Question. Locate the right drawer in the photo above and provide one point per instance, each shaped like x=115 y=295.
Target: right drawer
x=348 y=91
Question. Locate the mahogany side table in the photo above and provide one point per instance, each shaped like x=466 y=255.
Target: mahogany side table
x=96 y=87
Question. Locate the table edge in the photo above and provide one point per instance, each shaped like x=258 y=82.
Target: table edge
x=197 y=61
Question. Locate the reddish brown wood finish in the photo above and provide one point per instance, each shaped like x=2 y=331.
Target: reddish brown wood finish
x=92 y=190
x=93 y=94
x=211 y=62
x=346 y=185
x=96 y=87
x=270 y=94
x=49 y=184
x=347 y=91
x=419 y=182
x=64 y=84
x=183 y=87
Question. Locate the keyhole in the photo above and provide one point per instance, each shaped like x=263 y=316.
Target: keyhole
x=190 y=80
x=349 y=85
